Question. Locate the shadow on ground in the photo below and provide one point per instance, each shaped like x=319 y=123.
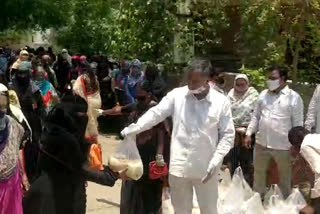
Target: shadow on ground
x=108 y=202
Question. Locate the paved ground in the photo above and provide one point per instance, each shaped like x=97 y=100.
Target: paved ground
x=101 y=199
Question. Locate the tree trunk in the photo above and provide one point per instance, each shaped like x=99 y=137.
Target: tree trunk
x=299 y=38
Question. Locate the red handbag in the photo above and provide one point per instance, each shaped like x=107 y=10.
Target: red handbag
x=156 y=172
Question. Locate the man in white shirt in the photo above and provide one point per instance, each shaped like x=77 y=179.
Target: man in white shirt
x=202 y=135
x=308 y=146
x=313 y=117
x=278 y=110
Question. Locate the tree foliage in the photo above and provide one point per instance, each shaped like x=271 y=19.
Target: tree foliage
x=275 y=31
x=131 y=28
x=87 y=29
x=272 y=31
x=26 y=14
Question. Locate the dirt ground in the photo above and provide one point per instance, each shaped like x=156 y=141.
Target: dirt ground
x=102 y=199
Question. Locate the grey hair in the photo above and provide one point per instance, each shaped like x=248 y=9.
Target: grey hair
x=202 y=65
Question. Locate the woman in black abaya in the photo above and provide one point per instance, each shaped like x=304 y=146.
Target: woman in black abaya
x=61 y=187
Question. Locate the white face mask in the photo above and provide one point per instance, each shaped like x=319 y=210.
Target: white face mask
x=198 y=90
x=273 y=84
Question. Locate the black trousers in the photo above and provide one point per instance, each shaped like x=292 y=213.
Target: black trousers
x=141 y=197
x=243 y=157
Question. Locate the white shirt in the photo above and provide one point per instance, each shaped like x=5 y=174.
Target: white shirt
x=203 y=130
x=313 y=116
x=310 y=151
x=274 y=116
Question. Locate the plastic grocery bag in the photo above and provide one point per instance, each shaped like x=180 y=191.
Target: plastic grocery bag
x=296 y=199
x=273 y=191
x=238 y=192
x=127 y=157
x=253 y=205
x=279 y=206
x=167 y=207
x=225 y=182
x=292 y=205
x=195 y=199
x=195 y=209
x=247 y=191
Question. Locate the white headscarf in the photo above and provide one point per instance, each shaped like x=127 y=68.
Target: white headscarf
x=16 y=111
x=242 y=76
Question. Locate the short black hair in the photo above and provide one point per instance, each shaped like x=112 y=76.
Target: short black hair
x=282 y=70
x=296 y=135
x=202 y=65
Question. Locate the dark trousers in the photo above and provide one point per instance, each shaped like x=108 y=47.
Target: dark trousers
x=141 y=197
x=241 y=156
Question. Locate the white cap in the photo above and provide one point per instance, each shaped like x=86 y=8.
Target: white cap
x=3 y=88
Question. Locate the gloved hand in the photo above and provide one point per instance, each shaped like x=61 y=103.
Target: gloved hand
x=210 y=172
x=160 y=160
x=132 y=129
x=99 y=112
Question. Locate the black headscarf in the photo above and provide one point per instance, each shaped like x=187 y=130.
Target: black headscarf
x=63 y=137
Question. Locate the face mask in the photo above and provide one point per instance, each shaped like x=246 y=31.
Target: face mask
x=273 y=84
x=198 y=90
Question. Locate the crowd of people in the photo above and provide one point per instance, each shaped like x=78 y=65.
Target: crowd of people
x=49 y=145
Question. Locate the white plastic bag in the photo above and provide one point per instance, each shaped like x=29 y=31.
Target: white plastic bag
x=167 y=207
x=253 y=205
x=225 y=182
x=292 y=205
x=195 y=199
x=238 y=192
x=296 y=199
x=127 y=157
x=247 y=191
x=273 y=191
x=279 y=206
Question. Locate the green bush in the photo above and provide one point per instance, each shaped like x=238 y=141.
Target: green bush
x=256 y=76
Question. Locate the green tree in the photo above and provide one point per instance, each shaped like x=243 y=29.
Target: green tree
x=31 y=14
x=275 y=31
x=124 y=29
x=87 y=29
x=143 y=29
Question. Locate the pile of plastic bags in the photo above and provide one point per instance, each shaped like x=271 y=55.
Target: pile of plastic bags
x=236 y=197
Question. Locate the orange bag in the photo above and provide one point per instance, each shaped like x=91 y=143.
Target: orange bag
x=95 y=157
